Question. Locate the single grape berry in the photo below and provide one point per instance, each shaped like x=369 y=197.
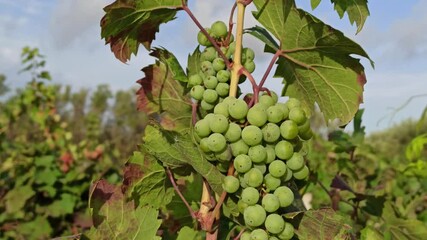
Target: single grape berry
x=301 y=174
x=258 y=154
x=277 y=168
x=233 y=133
x=195 y=79
x=287 y=233
x=210 y=96
x=288 y=175
x=204 y=145
x=270 y=132
x=275 y=114
x=202 y=129
x=284 y=150
x=298 y=116
x=210 y=82
x=254 y=216
x=231 y=184
x=267 y=100
x=197 y=92
x=238 y=109
x=271 y=154
x=222 y=109
x=250 y=54
x=250 y=66
x=242 y=163
x=285 y=195
x=219 y=29
x=254 y=177
x=222 y=89
x=239 y=147
x=272 y=183
x=218 y=64
x=250 y=196
x=270 y=203
x=289 y=130
x=218 y=124
x=296 y=162
x=241 y=206
x=261 y=167
x=246 y=236
x=202 y=39
x=257 y=115
x=206 y=106
x=252 y=135
x=274 y=223
x=293 y=103
x=259 y=234
x=223 y=76
x=217 y=142
x=224 y=156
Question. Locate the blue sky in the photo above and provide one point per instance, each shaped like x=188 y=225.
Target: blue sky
x=68 y=33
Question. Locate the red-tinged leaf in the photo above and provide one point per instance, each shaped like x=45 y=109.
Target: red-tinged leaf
x=127 y=24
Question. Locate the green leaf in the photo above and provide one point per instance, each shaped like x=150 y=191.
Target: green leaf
x=39 y=228
x=161 y=94
x=171 y=62
x=127 y=24
x=369 y=233
x=116 y=218
x=357 y=11
x=144 y=180
x=63 y=206
x=193 y=65
x=314 y=4
x=316 y=63
x=263 y=35
x=176 y=150
x=17 y=198
x=187 y=233
x=322 y=224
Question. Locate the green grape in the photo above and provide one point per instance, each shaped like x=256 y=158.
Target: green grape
x=209 y=117
x=233 y=133
x=231 y=49
x=219 y=29
x=205 y=66
x=218 y=124
x=271 y=183
x=252 y=135
x=209 y=73
x=307 y=135
x=238 y=109
x=223 y=76
x=254 y=178
x=273 y=238
x=285 y=110
x=197 y=92
x=285 y=195
x=231 y=184
x=257 y=115
x=250 y=54
x=293 y=103
x=246 y=236
x=275 y=114
x=229 y=100
x=259 y=234
x=217 y=142
x=243 y=57
x=222 y=109
x=274 y=96
x=208 y=55
x=211 y=157
x=288 y=175
x=241 y=206
x=222 y=167
x=206 y=106
x=283 y=149
x=301 y=174
x=242 y=181
x=297 y=115
x=250 y=66
x=222 y=89
x=274 y=223
x=270 y=203
x=296 y=162
x=210 y=82
x=242 y=163
x=224 y=156
x=254 y=216
x=262 y=167
x=239 y=147
x=270 y=132
x=287 y=233
x=277 y=168
x=202 y=129
x=204 y=145
x=195 y=79
x=257 y=153
x=271 y=154
x=210 y=96
x=202 y=39
x=250 y=196
x=267 y=100
x=218 y=64
x=304 y=127
x=288 y=129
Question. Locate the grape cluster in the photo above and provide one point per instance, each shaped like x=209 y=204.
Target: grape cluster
x=264 y=142
x=212 y=83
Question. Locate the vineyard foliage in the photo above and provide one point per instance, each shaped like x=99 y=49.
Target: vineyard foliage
x=73 y=164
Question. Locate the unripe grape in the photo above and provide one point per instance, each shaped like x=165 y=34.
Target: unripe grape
x=274 y=96
x=259 y=234
x=293 y=103
x=195 y=79
x=304 y=127
x=210 y=96
x=288 y=175
x=307 y=135
x=210 y=82
x=242 y=163
x=285 y=195
x=243 y=57
x=287 y=233
x=222 y=89
x=273 y=238
x=241 y=206
x=257 y=115
x=239 y=147
x=271 y=154
x=238 y=109
x=272 y=183
x=284 y=150
x=261 y=167
x=230 y=184
x=277 y=168
x=229 y=100
x=254 y=216
x=285 y=110
x=250 y=54
x=204 y=145
x=254 y=177
x=242 y=181
x=219 y=29
x=218 y=124
x=222 y=109
x=202 y=39
x=217 y=142
x=222 y=167
x=301 y=174
x=270 y=132
x=205 y=66
x=289 y=130
x=209 y=117
x=296 y=162
x=274 y=223
x=258 y=154
x=223 y=76
x=270 y=203
x=246 y=236
x=298 y=116
x=267 y=100
x=206 y=106
x=231 y=48
x=250 y=66
x=250 y=196
x=209 y=73
x=233 y=133
x=275 y=114
x=202 y=129
x=224 y=156
x=252 y=135
x=197 y=92
x=218 y=64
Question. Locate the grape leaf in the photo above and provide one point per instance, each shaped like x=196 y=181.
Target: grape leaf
x=164 y=98
x=193 y=66
x=357 y=11
x=187 y=233
x=263 y=35
x=315 y=63
x=145 y=181
x=175 y=150
x=116 y=218
x=314 y=4
x=127 y=24
x=321 y=224
x=171 y=62
x=16 y=198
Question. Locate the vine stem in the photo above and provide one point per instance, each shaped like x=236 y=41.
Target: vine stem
x=237 y=61
x=175 y=186
x=270 y=66
x=230 y=24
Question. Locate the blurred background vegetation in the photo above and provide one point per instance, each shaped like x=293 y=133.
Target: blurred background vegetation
x=55 y=141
